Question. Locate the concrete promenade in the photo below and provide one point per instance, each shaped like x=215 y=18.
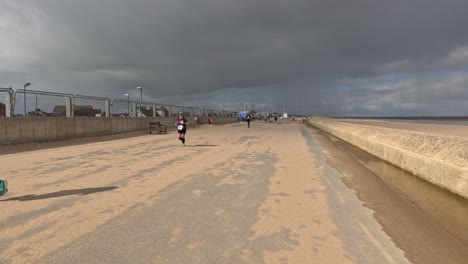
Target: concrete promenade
x=267 y=194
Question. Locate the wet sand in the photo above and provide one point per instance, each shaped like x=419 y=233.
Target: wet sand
x=267 y=194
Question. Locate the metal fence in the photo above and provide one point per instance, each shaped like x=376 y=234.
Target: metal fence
x=32 y=103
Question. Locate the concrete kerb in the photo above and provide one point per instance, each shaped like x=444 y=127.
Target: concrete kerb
x=440 y=159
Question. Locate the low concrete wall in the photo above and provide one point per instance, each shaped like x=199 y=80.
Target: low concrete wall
x=41 y=129
x=440 y=159
x=37 y=129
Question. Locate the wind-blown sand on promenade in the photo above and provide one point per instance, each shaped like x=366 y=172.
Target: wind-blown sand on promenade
x=233 y=195
x=26 y=147
x=58 y=196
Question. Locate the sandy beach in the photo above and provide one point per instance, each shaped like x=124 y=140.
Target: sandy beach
x=449 y=130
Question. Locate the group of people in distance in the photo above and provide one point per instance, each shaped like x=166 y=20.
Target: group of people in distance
x=182 y=126
x=182 y=123
x=248 y=118
x=267 y=118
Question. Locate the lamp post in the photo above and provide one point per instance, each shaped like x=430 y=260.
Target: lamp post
x=128 y=104
x=141 y=97
x=24 y=94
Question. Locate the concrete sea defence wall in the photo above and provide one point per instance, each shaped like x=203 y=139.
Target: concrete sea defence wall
x=437 y=158
x=37 y=129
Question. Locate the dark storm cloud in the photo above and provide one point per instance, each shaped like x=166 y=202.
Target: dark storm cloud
x=304 y=48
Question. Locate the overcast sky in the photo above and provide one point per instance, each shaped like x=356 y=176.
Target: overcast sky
x=323 y=57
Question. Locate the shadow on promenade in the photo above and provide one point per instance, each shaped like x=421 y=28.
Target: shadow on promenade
x=194 y=146
x=85 y=191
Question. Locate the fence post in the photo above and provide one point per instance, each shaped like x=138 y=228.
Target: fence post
x=169 y=110
x=111 y=107
x=8 y=102
x=107 y=107
x=68 y=107
x=134 y=109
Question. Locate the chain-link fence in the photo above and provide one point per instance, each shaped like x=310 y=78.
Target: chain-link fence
x=31 y=103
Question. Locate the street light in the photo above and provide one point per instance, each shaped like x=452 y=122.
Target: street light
x=128 y=104
x=141 y=97
x=24 y=96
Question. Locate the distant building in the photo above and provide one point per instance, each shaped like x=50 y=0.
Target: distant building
x=89 y=111
x=59 y=110
x=160 y=111
x=147 y=111
x=37 y=113
x=98 y=112
x=80 y=111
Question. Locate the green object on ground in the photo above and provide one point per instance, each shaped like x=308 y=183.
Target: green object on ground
x=3 y=186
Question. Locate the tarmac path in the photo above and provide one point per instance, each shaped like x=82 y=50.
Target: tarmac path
x=233 y=195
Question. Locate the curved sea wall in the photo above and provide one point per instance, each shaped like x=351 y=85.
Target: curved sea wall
x=440 y=159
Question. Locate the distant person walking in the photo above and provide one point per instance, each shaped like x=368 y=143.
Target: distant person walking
x=248 y=118
x=181 y=128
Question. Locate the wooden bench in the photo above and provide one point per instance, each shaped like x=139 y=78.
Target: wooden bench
x=157 y=126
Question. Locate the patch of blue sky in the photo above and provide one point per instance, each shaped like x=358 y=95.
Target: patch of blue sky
x=372 y=84
x=439 y=73
x=385 y=81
